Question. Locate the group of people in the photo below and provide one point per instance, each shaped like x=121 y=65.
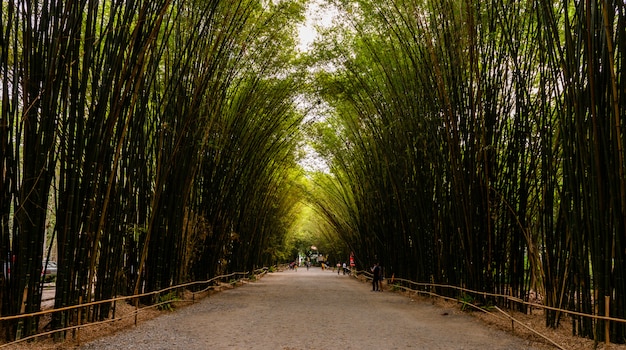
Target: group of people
x=343 y=268
x=377 y=272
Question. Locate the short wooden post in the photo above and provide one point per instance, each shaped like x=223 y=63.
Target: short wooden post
x=136 y=309
x=607 y=311
x=80 y=319
x=114 y=308
x=529 y=309
x=510 y=305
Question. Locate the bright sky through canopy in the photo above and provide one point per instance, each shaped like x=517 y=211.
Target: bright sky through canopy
x=317 y=15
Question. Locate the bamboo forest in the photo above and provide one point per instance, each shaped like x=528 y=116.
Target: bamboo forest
x=478 y=144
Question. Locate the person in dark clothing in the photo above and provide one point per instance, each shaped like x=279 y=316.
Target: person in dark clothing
x=376 y=279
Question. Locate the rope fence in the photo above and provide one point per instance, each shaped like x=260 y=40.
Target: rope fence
x=136 y=297
x=428 y=289
x=422 y=288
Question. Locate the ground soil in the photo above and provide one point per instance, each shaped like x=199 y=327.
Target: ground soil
x=315 y=309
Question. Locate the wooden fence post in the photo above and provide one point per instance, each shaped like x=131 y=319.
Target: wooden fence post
x=607 y=311
x=136 y=310
x=80 y=321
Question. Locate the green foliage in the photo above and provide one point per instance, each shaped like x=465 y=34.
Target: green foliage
x=460 y=136
x=164 y=302
x=471 y=145
x=466 y=299
x=161 y=124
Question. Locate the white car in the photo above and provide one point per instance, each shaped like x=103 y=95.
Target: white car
x=49 y=269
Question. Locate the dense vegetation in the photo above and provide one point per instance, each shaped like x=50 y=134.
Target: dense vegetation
x=479 y=144
x=151 y=142
x=472 y=143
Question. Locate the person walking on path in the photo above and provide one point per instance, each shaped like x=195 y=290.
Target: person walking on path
x=376 y=277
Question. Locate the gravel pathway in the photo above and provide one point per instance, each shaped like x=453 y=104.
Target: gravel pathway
x=312 y=309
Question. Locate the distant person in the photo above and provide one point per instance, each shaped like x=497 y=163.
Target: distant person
x=376 y=278
x=344 y=268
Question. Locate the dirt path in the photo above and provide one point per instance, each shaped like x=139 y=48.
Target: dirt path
x=312 y=309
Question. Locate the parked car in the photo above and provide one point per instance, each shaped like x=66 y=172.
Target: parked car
x=49 y=270
x=6 y=270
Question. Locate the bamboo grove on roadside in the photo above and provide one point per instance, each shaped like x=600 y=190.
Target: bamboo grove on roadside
x=480 y=144
x=152 y=142
x=471 y=143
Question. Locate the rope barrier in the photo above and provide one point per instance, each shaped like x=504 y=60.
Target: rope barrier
x=506 y=297
x=257 y=272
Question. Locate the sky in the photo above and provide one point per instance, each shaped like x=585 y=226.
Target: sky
x=317 y=14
